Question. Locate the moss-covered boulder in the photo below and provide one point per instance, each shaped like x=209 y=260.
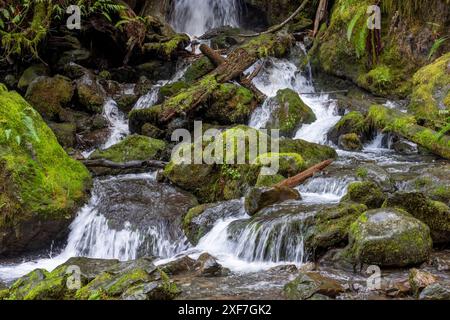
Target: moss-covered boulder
x=131 y=148
x=370 y=172
x=388 y=238
x=350 y=142
x=430 y=98
x=41 y=187
x=435 y=214
x=198 y=69
x=306 y=285
x=65 y=133
x=90 y=93
x=290 y=163
x=352 y=122
x=49 y=95
x=290 y=113
x=259 y=198
x=167 y=49
x=367 y=193
x=218 y=182
x=330 y=227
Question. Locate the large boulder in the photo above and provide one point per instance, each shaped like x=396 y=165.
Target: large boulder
x=352 y=122
x=389 y=238
x=290 y=113
x=435 y=214
x=259 y=198
x=30 y=74
x=91 y=95
x=49 y=95
x=41 y=187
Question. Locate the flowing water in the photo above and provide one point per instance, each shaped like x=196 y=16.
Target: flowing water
x=241 y=243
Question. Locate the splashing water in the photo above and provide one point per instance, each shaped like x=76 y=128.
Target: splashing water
x=195 y=17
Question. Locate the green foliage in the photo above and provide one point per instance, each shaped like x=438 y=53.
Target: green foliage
x=436 y=45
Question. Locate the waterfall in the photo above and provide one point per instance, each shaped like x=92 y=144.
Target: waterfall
x=195 y=17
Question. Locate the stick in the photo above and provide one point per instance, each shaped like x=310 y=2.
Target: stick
x=124 y=165
x=280 y=26
x=305 y=175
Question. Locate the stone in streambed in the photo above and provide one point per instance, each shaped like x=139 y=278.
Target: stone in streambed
x=433 y=213
x=367 y=193
x=350 y=142
x=309 y=284
x=259 y=198
x=207 y=266
x=419 y=280
x=436 y=291
x=388 y=238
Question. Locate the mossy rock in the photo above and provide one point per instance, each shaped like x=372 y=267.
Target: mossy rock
x=41 y=187
x=309 y=284
x=290 y=163
x=352 y=122
x=367 y=193
x=65 y=133
x=330 y=227
x=171 y=89
x=350 y=142
x=269 y=180
x=133 y=147
x=312 y=153
x=388 y=238
x=49 y=95
x=434 y=214
x=167 y=50
x=30 y=74
x=91 y=95
x=291 y=112
x=430 y=99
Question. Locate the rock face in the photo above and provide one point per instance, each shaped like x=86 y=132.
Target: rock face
x=259 y=198
x=41 y=188
x=390 y=238
x=309 y=285
x=99 y=279
x=435 y=214
x=49 y=95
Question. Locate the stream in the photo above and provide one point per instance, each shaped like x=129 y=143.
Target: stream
x=132 y=216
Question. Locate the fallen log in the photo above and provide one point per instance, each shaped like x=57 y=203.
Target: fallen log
x=303 y=176
x=281 y=25
x=320 y=15
x=212 y=55
x=145 y=164
x=402 y=124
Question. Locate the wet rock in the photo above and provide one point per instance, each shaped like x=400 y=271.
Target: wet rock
x=419 y=280
x=350 y=142
x=201 y=219
x=207 y=266
x=389 y=238
x=30 y=74
x=367 y=193
x=179 y=266
x=65 y=133
x=152 y=131
x=290 y=113
x=306 y=285
x=353 y=122
x=406 y=147
x=41 y=187
x=222 y=37
x=259 y=198
x=433 y=213
x=312 y=153
x=79 y=56
x=198 y=69
x=435 y=292
x=74 y=71
x=373 y=173
x=330 y=227
x=90 y=93
x=90 y=268
x=49 y=95
x=441 y=264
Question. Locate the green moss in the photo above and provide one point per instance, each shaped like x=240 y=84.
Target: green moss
x=172 y=89
x=38 y=179
x=133 y=147
x=198 y=69
x=362 y=173
x=290 y=163
x=430 y=92
x=367 y=193
x=269 y=180
x=168 y=49
x=311 y=153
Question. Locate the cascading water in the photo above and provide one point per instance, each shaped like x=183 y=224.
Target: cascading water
x=195 y=17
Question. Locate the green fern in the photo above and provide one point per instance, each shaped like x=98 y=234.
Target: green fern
x=436 y=45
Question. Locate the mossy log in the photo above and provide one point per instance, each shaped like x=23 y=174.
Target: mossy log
x=405 y=125
x=189 y=99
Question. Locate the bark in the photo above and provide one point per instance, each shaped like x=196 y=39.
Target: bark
x=212 y=55
x=102 y=163
x=303 y=176
x=321 y=12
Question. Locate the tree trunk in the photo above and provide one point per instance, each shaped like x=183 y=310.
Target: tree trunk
x=303 y=176
x=404 y=125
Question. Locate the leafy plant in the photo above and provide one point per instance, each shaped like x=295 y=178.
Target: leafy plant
x=436 y=45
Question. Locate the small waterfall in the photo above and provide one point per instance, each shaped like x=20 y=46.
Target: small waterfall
x=195 y=17
x=324 y=189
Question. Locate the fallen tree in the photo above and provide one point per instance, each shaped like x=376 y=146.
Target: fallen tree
x=145 y=164
x=303 y=176
x=187 y=100
x=402 y=124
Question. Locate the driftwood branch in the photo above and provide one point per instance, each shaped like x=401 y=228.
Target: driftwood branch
x=281 y=25
x=305 y=175
x=212 y=55
x=320 y=15
x=102 y=163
